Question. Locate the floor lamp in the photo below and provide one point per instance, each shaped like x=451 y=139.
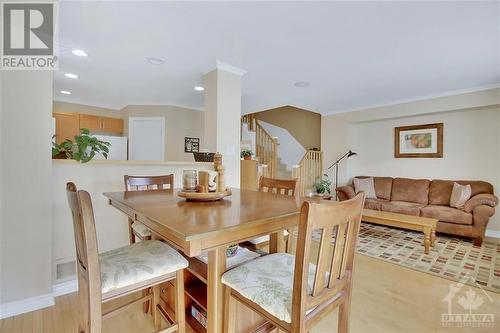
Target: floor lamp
x=336 y=165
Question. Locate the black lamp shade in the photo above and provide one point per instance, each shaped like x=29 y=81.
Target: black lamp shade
x=351 y=153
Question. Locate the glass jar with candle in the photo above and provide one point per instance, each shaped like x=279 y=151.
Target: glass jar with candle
x=189 y=180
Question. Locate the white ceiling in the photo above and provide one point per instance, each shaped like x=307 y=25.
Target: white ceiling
x=355 y=54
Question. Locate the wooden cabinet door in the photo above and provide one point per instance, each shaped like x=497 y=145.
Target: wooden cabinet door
x=67 y=126
x=112 y=125
x=92 y=123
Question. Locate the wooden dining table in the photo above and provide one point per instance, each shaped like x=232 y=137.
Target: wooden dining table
x=195 y=227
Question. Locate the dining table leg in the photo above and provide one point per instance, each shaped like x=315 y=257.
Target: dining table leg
x=215 y=302
x=277 y=242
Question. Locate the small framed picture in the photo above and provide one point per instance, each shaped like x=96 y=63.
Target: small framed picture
x=191 y=145
x=419 y=141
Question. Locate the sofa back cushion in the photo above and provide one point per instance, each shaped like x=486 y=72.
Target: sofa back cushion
x=383 y=186
x=440 y=190
x=411 y=190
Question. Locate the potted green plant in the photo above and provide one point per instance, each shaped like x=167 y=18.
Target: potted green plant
x=246 y=154
x=322 y=187
x=83 y=149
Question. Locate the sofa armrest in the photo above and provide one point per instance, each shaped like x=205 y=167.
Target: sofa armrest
x=480 y=199
x=345 y=192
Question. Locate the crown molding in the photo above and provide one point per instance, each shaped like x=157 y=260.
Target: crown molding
x=416 y=99
x=231 y=69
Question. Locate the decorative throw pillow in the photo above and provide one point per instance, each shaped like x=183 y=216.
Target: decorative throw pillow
x=459 y=195
x=367 y=185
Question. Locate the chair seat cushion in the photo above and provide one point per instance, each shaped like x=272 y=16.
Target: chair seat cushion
x=138 y=263
x=402 y=207
x=447 y=214
x=268 y=282
x=141 y=229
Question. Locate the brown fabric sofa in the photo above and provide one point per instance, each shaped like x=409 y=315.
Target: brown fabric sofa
x=431 y=198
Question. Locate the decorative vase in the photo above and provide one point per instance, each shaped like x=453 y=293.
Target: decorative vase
x=189 y=180
x=246 y=158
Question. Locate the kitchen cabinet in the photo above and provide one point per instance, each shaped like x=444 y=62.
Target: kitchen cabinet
x=111 y=125
x=90 y=122
x=67 y=126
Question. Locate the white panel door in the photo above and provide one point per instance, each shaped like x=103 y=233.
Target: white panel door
x=146 y=138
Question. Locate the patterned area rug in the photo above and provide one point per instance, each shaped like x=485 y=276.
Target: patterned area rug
x=451 y=258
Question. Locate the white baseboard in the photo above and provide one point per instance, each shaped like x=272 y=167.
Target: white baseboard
x=26 y=305
x=492 y=233
x=64 y=288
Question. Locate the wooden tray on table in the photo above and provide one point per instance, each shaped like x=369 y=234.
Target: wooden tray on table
x=204 y=196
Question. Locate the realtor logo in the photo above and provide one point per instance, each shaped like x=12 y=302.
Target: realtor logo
x=468 y=302
x=28 y=40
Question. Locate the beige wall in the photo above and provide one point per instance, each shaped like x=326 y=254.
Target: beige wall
x=471 y=140
x=179 y=123
x=303 y=125
x=26 y=215
x=86 y=109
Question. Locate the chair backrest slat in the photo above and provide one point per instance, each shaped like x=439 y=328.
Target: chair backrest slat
x=278 y=186
x=140 y=183
x=87 y=254
x=333 y=271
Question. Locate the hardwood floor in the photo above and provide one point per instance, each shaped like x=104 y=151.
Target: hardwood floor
x=386 y=298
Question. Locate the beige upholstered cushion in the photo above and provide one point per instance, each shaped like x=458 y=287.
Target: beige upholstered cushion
x=268 y=281
x=136 y=263
x=366 y=185
x=141 y=229
x=459 y=195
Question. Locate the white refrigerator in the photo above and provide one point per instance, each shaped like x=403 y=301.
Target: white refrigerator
x=118 y=149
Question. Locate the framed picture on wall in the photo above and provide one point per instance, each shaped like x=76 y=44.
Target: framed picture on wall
x=419 y=141
x=191 y=145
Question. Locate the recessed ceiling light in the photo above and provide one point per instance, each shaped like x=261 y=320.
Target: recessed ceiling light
x=199 y=88
x=302 y=84
x=71 y=75
x=156 y=61
x=79 y=53
x=65 y=92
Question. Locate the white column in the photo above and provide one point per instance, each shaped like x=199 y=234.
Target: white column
x=222 y=118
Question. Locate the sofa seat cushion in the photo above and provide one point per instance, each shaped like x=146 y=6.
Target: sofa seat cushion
x=402 y=207
x=447 y=214
x=138 y=263
x=374 y=204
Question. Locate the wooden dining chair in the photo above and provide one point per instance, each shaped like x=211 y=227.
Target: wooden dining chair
x=120 y=272
x=276 y=186
x=287 y=290
x=144 y=183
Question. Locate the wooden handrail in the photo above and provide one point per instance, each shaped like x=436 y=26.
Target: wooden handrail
x=266 y=149
x=250 y=120
x=308 y=171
